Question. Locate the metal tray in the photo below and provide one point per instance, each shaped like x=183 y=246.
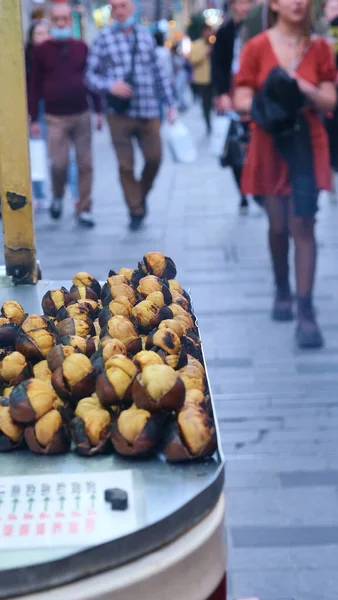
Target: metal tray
x=171 y=499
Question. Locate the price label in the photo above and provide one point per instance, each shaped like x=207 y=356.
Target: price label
x=63 y=510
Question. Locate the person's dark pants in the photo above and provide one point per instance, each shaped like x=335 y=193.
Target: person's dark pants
x=205 y=93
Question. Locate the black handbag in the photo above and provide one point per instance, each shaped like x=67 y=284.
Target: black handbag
x=235 y=145
x=122 y=105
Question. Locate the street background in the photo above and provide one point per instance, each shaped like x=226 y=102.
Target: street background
x=277 y=407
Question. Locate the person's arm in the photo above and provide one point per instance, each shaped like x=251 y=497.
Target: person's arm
x=96 y=77
x=35 y=86
x=323 y=98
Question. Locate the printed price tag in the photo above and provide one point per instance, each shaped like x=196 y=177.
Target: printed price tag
x=63 y=510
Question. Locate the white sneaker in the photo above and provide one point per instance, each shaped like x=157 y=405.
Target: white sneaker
x=85 y=219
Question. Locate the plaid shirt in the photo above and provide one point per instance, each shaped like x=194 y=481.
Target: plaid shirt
x=109 y=60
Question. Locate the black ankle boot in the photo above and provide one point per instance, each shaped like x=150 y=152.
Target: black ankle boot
x=308 y=334
x=282 y=308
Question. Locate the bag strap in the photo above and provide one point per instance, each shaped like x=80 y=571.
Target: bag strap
x=133 y=55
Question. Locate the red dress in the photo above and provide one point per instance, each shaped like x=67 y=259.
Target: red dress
x=265 y=172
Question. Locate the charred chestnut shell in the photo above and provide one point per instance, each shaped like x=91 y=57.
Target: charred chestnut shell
x=30 y=400
x=181 y=446
x=13 y=311
x=48 y=435
x=14 y=369
x=81 y=293
x=8 y=333
x=75 y=379
x=155 y=263
x=36 y=344
x=164 y=339
x=75 y=310
x=58 y=354
x=91 y=428
x=86 y=346
x=54 y=299
x=136 y=432
x=113 y=386
x=158 y=389
x=79 y=327
x=11 y=434
x=83 y=279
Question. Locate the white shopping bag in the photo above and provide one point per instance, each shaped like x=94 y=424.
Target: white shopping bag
x=220 y=130
x=38 y=154
x=181 y=143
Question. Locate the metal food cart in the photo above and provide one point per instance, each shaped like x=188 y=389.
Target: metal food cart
x=170 y=542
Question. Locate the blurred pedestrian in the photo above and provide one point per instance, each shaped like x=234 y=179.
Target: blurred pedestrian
x=180 y=77
x=164 y=57
x=289 y=170
x=200 y=59
x=38 y=34
x=57 y=77
x=124 y=66
x=225 y=65
x=331 y=14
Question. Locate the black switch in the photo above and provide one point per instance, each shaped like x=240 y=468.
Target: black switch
x=117 y=498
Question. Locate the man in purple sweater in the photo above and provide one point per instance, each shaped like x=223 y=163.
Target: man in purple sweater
x=57 y=77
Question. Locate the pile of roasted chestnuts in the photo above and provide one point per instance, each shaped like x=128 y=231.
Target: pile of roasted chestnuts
x=117 y=367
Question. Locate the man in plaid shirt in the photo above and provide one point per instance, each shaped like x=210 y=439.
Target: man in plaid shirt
x=109 y=66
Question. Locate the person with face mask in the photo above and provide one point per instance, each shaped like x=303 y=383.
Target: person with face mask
x=57 y=77
x=123 y=65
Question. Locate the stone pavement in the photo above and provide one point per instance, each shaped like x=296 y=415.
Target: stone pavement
x=277 y=407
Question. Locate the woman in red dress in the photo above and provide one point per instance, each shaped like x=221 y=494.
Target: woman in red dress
x=310 y=61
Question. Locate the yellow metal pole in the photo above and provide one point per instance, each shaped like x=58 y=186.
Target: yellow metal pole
x=16 y=196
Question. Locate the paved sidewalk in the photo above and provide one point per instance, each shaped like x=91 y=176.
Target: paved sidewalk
x=277 y=407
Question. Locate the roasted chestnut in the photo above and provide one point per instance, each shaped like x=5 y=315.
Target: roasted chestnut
x=36 y=344
x=120 y=306
x=174 y=325
x=147 y=357
x=116 y=286
x=58 y=354
x=11 y=434
x=193 y=435
x=13 y=311
x=122 y=329
x=75 y=310
x=175 y=361
x=127 y=273
x=147 y=315
x=34 y=322
x=192 y=377
x=181 y=301
x=54 y=299
x=166 y=339
x=75 y=379
x=82 y=293
x=42 y=371
x=175 y=286
x=83 y=279
x=86 y=346
x=113 y=387
x=8 y=333
x=136 y=432
x=79 y=327
x=13 y=369
x=111 y=348
x=48 y=435
x=155 y=263
x=30 y=400
x=91 y=427
x=157 y=389
x=151 y=284
x=192 y=343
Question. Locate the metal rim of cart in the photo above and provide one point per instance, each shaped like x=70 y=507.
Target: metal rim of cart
x=22 y=268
